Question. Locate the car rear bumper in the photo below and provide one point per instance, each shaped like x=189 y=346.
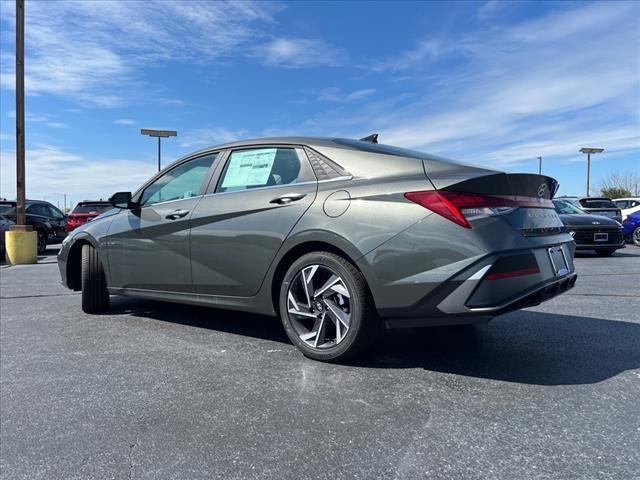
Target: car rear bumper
x=529 y=298
x=422 y=277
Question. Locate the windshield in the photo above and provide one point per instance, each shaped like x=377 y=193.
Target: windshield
x=91 y=208
x=562 y=206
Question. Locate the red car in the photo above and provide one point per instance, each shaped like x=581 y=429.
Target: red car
x=85 y=211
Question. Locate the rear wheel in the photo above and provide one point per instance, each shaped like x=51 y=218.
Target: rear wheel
x=326 y=307
x=95 y=297
x=606 y=253
x=635 y=236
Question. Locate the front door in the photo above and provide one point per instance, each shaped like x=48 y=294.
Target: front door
x=148 y=246
x=238 y=228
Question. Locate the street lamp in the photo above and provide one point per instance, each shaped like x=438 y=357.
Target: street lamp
x=159 y=134
x=589 y=151
x=539 y=165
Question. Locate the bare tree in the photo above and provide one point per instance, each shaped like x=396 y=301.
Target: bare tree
x=620 y=184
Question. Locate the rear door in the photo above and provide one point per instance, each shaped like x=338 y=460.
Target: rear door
x=148 y=247
x=249 y=210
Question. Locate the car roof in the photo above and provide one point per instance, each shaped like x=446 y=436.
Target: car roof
x=14 y=202
x=334 y=142
x=594 y=198
x=320 y=141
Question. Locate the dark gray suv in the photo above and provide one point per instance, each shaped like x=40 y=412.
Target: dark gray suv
x=338 y=237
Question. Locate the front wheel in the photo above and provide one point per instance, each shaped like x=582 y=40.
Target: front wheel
x=635 y=236
x=326 y=307
x=42 y=242
x=606 y=253
x=95 y=297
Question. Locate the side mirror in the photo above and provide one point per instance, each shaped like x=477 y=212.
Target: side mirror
x=121 y=200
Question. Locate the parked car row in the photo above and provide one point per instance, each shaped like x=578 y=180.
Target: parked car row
x=603 y=235
x=51 y=224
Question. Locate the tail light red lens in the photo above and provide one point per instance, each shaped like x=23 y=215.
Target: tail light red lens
x=462 y=207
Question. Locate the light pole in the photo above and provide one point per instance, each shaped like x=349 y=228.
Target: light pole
x=589 y=151
x=21 y=219
x=159 y=134
x=539 y=165
x=21 y=241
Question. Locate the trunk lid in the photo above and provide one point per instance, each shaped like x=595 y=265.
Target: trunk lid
x=536 y=215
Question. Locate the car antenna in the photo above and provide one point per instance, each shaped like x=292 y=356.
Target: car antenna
x=373 y=138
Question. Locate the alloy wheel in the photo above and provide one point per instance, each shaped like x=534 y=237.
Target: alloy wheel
x=319 y=306
x=636 y=236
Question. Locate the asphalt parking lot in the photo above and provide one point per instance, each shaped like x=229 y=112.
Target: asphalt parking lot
x=155 y=390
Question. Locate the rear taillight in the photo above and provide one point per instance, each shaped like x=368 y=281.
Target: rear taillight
x=462 y=207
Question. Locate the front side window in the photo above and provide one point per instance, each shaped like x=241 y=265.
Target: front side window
x=55 y=213
x=260 y=167
x=183 y=181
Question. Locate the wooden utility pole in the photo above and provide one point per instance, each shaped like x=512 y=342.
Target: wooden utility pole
x=21 y=219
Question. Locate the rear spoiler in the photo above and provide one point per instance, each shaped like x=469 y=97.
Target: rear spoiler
x=470 y=179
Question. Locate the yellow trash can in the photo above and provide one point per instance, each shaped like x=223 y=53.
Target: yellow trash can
x=21 y=247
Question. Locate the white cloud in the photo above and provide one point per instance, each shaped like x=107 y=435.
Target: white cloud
x=424 y=52
x=92 y=51
x=298 y=53
x=337 y=95
x=124 y=121
x=515 y=94
x=51 y=170
x=57 y=125
x=210 y=136
x=488 y=9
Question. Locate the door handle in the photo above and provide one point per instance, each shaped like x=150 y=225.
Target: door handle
x=177 y=214
x=288 y=198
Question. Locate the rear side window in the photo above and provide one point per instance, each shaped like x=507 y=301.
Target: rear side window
x=260 y=167
x=38 y=209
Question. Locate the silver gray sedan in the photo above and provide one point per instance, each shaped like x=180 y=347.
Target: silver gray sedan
x=340 y=238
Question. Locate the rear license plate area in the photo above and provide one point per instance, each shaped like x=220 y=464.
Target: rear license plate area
x=600 y=237
x=558 y=261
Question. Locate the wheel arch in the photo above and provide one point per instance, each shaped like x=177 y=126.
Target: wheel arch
x=307 y=244
x=74 y=261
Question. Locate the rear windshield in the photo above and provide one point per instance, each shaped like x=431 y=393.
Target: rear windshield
x=380 y=148
x=597 y=203
x=7 y=208
x=91 y=207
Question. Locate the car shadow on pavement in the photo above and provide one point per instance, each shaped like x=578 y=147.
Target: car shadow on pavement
x=523 y=347
x=238 y=323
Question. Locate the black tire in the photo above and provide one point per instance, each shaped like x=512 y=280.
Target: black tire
x=635 y=236
x=606 y=253
x=42 y=242
x=95 y=298
x=364 y=322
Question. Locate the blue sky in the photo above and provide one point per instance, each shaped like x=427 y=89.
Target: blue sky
x=492 y=83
